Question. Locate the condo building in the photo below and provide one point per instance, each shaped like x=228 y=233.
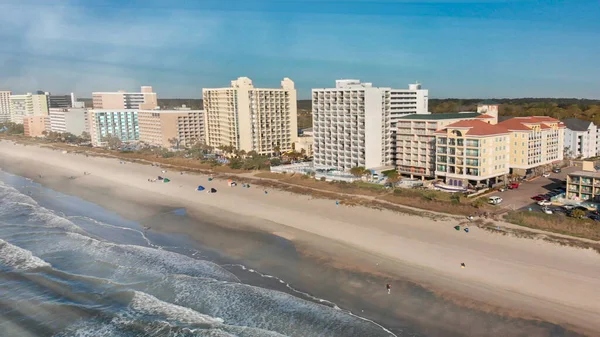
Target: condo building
x=71 y=120
x=251 y=119
x=171 y=128
x=535 y=141
x=27 y=105
x=472 y=152
x=354 y=123
x=5 y=106
x=415 y=140
x=581 y=138
x=34 y=126
x=145 y=99
x=119 y=123
x=584 y=185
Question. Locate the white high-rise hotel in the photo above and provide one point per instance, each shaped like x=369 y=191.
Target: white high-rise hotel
x=354 y=123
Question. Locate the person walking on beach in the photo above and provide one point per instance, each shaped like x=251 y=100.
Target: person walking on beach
x=389 y=288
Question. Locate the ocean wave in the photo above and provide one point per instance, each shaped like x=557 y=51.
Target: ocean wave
x=150 y=305
x=18 y=258
x=260 y=308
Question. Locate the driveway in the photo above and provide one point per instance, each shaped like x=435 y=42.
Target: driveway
x=521 y=198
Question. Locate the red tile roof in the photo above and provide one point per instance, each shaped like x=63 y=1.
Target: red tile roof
x=476 y=128
x=522 y=123
x=485 y=116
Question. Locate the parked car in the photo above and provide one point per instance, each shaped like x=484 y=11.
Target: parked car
x=556 y=170
x=538 y=197
x=546 y=175
x=595 y=217
x=495 y=200
x=544 y=203
x=546 y=210
x=513 y=186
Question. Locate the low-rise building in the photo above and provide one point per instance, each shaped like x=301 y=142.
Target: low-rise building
x=583 y=186
x=169 y=128
x=415 y=140
x=536 y=142
x=71 y=120
x=580 y=138
x=304 y=144
x=472 y=152
x=121 y=124
x=34 y=126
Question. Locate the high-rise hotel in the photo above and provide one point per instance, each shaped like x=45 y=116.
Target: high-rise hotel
x=145 y=99
x=354 y=123
x=251 y=119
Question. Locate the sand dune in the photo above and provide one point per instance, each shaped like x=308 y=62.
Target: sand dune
x=540 y=279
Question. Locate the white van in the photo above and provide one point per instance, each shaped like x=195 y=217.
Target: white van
x=495 y=200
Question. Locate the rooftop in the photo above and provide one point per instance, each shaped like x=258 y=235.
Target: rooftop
x=485 y=116
x=586 y=174
x=522 y=123
x=455 y=115
x=475 y=128
x=577 y=124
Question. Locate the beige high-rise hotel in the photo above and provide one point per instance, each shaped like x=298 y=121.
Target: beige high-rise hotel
x=169 y=128
x=145 y=99
x=251 y=119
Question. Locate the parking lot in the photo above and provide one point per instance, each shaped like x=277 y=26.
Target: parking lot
x=520 y=198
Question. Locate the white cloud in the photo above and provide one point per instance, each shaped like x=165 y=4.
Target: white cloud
x=68 y=48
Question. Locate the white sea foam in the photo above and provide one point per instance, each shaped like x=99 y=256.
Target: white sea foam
x=260 y=308
x=19 y=258
x=150 y=305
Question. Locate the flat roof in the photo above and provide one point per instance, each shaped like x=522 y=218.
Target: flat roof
x=454 y=115
x=170 y=111
x=588 y=174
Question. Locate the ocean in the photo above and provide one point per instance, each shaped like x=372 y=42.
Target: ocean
x=71 y=268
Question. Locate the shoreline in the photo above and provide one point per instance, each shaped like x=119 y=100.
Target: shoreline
x=349 y=240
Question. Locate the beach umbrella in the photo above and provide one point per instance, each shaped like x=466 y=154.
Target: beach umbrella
x=213 y=190
x=200 y=188
x=457 y=228
x=166 y=180
x=210 y=179
x=466 y=230
x=160 y=178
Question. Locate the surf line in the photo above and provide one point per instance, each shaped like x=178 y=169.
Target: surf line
x=118 y=227
x=320 y=300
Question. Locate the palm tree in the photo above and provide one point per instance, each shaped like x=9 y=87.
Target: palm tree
x=358 y=171
x=174 y=142
x=277 y=150
x=393 y=177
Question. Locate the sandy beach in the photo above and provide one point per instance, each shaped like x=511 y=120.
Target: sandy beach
x=348 y=254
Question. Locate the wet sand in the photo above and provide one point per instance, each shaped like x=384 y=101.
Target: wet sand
x=511 y=286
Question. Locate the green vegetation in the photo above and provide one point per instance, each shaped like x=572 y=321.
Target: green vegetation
x=12 y=128
x=584 y=228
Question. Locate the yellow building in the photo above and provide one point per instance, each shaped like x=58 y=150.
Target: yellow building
x=415 y=140
x=535 y=142
x=167 y=128
x=472 y=152
x=251 y=119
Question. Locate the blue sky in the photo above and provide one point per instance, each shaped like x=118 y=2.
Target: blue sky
x=528 y=48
